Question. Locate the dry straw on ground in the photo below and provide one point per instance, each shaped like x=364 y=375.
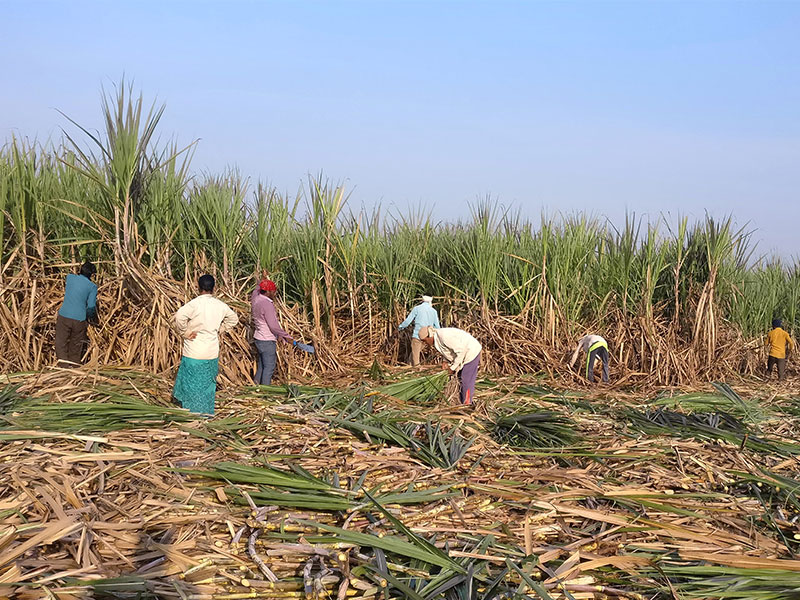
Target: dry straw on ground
x=130 y=503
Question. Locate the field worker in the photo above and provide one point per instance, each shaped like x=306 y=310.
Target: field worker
x=77 y=311
x=200 y=323
x=267 y=330
x=462 y=350
x=423 y=315
x=780 y=344
x=595 y=347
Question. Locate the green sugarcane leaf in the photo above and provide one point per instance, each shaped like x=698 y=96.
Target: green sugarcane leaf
x=389 y=544
x=415 y=539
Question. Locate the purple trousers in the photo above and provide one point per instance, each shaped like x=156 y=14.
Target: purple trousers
x=467 y=376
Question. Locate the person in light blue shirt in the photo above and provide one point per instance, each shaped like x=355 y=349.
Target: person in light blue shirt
x=77 y=311
x=422 y=315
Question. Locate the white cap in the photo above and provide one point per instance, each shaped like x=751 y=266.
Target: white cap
x=427 y=298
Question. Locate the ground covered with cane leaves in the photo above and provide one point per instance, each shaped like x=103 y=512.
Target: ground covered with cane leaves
x=377 y=485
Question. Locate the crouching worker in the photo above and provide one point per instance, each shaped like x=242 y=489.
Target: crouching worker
x=422 y=315
x=595 y=347
x=200 y=323
x=462 y=350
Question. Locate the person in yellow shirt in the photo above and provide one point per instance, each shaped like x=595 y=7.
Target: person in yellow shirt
x=780 y=345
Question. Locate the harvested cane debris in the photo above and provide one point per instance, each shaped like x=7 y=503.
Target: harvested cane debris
x=283 y=495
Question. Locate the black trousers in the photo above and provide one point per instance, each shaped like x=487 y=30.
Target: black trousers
x=780 y=363
x=602 y=354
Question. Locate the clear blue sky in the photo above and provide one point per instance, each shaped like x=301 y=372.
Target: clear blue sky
x=641 y=106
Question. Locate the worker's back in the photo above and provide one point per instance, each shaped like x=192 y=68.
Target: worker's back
x=587 y=341
x=778 y=341
x=423 y=315
x=80 y=296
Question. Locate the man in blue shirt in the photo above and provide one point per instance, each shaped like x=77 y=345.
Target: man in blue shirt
x=72 y=324
x=423 y=315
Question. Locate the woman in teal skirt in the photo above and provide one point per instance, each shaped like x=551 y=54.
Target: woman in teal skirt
x=200 y=323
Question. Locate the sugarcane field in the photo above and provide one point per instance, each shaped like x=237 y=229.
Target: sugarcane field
x=214 y=389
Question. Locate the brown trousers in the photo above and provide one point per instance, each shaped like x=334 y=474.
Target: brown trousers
x=416 y=348
x=778 y=362
x=72 y=341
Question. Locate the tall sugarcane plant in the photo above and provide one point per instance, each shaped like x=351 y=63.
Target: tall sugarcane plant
x=121 y=193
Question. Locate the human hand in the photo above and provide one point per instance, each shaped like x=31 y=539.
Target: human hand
x=446 y=367
x=190 y=336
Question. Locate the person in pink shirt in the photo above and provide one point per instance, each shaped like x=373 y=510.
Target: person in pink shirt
x=267 y=330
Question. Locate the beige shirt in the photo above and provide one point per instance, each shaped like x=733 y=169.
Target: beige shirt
x=456 y=345
x=584 y=344
x=209 y=317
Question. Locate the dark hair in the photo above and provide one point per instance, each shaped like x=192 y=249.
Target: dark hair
x=206 y=283
x=777 y=322
x=88 y=269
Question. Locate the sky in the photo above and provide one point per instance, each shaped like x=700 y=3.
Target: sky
x=663 y=107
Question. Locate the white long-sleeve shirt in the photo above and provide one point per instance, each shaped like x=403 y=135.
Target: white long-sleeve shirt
x=457 y=346
x=208 y=316
x=584 y=344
